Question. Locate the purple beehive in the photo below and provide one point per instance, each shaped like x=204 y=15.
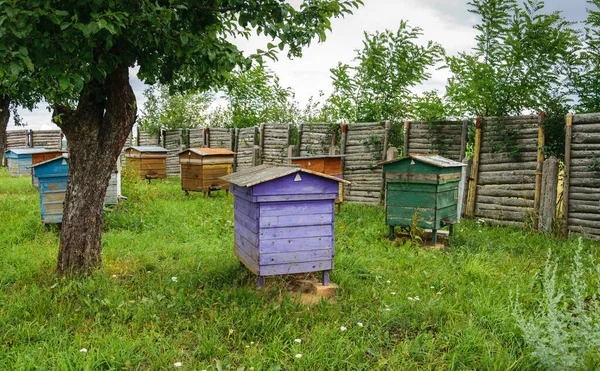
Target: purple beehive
x=284 y=220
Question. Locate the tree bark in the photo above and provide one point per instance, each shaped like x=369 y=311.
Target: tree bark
x=96 y=132
x=4 y=117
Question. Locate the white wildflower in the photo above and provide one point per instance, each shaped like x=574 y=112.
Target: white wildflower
x=393 y=293
x=174 y=279
x=298 y=355
x=343 y=328
x=359 y=324
x=177 y=364
x=298 y=341
x=83 y=350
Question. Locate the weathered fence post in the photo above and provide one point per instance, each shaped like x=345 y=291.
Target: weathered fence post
x=567 y=177
x=463 y=187
x=392 y=154
x=256 y=160
x=234 y=147
x=406 y=138
x=463 y=140
x=343 y=143
x=470 y=209
x=538 y=170
x=548 y=199
x=299 y=142
x=207 y=137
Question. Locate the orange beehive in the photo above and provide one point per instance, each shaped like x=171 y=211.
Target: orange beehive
x=201 y=169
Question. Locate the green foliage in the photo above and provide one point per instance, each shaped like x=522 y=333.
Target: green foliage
x=505 y=139
x=554 y=129
x=431 y=107
x=185 y=44
x=176 y=110
x=377 y=87
x=133 y=315
x=519 y=61
x=564 y=332
x=255 y=97
x=585 y=66
x=594 y=164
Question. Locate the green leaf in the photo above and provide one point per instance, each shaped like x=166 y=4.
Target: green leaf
x=15 y=68
x=63 y=82
x=184 y=39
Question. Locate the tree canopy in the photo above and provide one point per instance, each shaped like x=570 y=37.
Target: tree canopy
x=378 y=86
x=83 y=50
x=518 y=64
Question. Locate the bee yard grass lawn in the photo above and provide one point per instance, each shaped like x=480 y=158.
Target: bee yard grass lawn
x=172 y=294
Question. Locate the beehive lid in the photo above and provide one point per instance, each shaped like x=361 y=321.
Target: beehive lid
x=148 y=149
x=315 y=157
x=433 y=159
x=264 y=173
x=64 y=156
x=208 y=151
x=27 y=151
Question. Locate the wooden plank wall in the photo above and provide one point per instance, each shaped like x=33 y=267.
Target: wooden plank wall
x=505 y=189
x=17 y=139
x=316 y=139
x=145 y=139
x=364 y=145
x=581 y=207
x=274 y=143
x=173 y=143
x=196 y=138
x=220 y=138
x=446 y=138
x=246 y=139
x=49 y=139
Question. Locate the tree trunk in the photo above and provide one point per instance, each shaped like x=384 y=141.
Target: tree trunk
x=4 y=117
x=96 y=132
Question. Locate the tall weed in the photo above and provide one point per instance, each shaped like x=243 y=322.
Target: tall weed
x=564 y=332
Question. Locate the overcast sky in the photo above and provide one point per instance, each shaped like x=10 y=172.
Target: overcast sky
x=445 y=21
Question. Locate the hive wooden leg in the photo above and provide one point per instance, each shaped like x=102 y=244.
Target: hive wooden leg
x=434 y=236
x=260 y=282
x=325 y=278
x=391 y=232
x=451 y=229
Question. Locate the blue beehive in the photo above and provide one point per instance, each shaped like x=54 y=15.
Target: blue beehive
x=52 y=176
x=19 y=160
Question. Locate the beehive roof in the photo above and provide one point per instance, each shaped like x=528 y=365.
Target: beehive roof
x=27 y=151
x=317 y=156
x=430 y=159
x=208 y=151
x=264 y=173
x=157 y=149
x=64 y=156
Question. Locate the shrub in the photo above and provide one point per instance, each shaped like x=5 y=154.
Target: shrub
x=564 y=332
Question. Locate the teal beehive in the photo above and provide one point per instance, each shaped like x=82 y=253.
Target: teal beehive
x=52 y=179
x=421 y=190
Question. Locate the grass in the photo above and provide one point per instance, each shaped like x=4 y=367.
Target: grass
x=171 y=290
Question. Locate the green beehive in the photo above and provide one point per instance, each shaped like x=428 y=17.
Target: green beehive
x=421 y=189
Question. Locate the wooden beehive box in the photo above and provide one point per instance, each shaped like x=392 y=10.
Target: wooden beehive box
x=36 y=158
x=284 y=220
x=150 y=162
x=202 y=169
x=19 y=160
x=113 y=191
x=326 y=164
x=52 y=177
x=421 y=189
